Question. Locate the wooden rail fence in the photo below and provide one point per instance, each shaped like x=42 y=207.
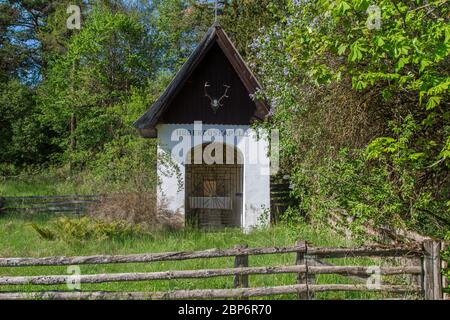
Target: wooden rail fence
x=428 y=280
x=64 y=204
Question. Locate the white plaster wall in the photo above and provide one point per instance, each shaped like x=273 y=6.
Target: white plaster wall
x=176 y=140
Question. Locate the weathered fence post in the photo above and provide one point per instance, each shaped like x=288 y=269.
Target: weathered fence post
x=444 y=247
x=303 y=278
x=240 y=261
x=416 y=279
x=432 y=277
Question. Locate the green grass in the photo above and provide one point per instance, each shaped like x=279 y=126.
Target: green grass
x=58 y=182
x=19 y=239
x=42 y=186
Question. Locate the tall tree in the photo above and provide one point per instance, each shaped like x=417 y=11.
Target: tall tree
x=20 y=49
x=111 y=55
x=360 y=94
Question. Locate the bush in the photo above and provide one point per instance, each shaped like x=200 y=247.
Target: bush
x=136 y=208
x=86 y=228
x=363 y=130
x=8 y=169
x=375 y=195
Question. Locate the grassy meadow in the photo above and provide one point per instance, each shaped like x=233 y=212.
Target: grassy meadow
x=48 y=184
x=19 y=239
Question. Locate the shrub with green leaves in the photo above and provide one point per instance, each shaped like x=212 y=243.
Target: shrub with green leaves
x=363 y=112
x=85 y=228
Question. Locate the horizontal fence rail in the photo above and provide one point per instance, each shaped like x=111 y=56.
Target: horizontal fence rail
x=211 y=253
x=208 y=273
x=204 y=293
x=75 y=204
x=151 y=257
x=427 y=281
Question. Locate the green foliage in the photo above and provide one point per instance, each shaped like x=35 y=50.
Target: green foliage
x=96 y=81
x=292 y=218
x=84 y=229
x=92 y=81
x=178 y=27
x=44 y=233
x=22 y=138
x=137 y=160
x=408 y=55
x=243 y=20
x=371 y=195
x=8 y=169
x=181 y=24
x=363 y=113
x=19 y=51
x=53 y=34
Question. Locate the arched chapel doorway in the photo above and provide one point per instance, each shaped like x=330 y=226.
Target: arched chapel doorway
x=214 y=191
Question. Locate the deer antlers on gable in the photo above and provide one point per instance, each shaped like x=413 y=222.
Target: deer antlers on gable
x=216 y=103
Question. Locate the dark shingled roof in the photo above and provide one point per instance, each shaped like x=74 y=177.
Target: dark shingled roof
x=146 y=124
